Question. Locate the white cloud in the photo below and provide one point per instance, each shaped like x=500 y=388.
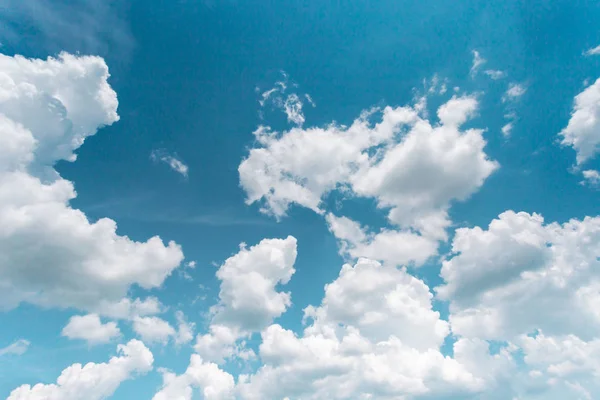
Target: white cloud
x=495 y=74
x=389 y=246
x=185 y=329
x=171 y=160
x=374 y=336
x=583 y=130
x=291 y=104
x=17 y=348
x=248 y=297
x=411 y=167
x=507 y=129
x=47 y=109
x=380 y=302
x=153 y=329
x=514 y=92
x=520 y=275
x=127 y=309
x=591 y=177
x=593 y=51
x=478 y=61
x=214 y=383
x=90 y=328
x=92 y=381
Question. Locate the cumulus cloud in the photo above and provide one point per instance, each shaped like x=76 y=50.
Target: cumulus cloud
x=376 y=336
x=214 y=383
x=411 y=167
x=16 y=348
x=92 y=381
x=248 y=296
x=171 y=160
x=47 y=109
x=389 y=246
x=91 y=329
x=153 y=329
x=520 y=275
x=583 y=130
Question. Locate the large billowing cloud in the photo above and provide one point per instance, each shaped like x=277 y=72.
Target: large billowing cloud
x=92 y=381
x=376 y=336
x=520 y=275
x=50 y=253
x=410 y=166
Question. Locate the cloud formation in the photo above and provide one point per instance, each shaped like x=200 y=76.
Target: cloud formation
x=47 y=109
x=92 y=381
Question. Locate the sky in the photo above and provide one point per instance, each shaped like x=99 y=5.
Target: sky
x=220 y=200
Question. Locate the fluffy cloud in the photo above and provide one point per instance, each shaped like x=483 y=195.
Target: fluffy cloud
x=92 y=381
x=374 y=336
x=17 y=348
x=389 y=246
x=153 y=329
x=591 y=177
x=248 y=296
x=520 y=275
x=47 y=109
x=214 y=384
x=583 y=130
x=380 y=302
x=90 y=328
x=409 y=166
x=248 y=299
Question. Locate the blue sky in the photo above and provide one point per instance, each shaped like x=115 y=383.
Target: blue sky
x=185 y=161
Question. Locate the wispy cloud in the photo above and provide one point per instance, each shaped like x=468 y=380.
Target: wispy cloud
x=495 y=74
x=86 y=26
x=290 y=103
x=171 y=160
x=514 y=91
x=17 y=348
x=591 y=178
x=593 y=51
x=478 y=61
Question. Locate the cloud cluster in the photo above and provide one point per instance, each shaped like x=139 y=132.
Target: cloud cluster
x=411 y=167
